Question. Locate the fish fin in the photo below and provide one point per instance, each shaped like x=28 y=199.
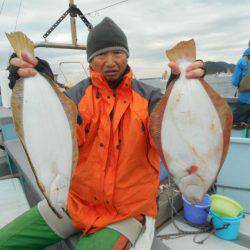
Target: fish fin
x=224 y=113
x=17 y=107
x=155 y=121
x=20 y=42
x=183 y=50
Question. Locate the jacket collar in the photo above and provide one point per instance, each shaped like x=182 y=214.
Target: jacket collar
x=124 y=83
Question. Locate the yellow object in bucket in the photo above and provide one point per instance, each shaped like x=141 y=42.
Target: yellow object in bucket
x=225 y=207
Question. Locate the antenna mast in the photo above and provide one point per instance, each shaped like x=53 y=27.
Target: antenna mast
x=73 y=24
x=73 y=11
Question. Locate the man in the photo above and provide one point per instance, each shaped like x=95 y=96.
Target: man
x=117 y=175
x=242 y=112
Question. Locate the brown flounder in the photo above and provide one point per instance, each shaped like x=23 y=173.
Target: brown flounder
x=45 y=120
x=191 y=128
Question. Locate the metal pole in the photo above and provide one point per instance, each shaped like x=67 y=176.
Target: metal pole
x=73 y=25
x=59 y=45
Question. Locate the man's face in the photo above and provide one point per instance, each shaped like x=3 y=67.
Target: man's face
x=111 y=64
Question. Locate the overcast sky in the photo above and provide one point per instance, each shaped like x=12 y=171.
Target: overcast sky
x=220 y=28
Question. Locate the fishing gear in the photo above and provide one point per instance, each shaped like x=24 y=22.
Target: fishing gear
x=201 y=229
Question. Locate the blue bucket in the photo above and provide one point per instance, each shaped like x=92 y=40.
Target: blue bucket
x=196 y=214
x=226 y=228
x=163 y=172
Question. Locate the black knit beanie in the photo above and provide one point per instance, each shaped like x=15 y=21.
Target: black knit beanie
x=104 y=37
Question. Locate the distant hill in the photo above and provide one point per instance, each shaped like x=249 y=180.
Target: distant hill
x=218 y=67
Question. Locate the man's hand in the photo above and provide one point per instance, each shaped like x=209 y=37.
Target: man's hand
x=25 y=65
x=194 y=70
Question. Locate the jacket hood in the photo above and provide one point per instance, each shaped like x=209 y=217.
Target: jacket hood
x=247 y=52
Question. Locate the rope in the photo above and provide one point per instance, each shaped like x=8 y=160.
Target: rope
x=2 y=7
x=106 y=7
x=206 y=228
x=19 y=9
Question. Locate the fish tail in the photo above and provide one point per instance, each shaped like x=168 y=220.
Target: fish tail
x=20 y=42
x=184 y=50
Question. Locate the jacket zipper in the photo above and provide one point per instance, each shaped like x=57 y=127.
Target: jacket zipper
x=110 y=145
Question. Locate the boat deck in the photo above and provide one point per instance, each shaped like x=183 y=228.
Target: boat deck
x=213 y=242
x=20 y=169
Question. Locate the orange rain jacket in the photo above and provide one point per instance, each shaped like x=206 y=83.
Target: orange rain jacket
x=117 y=174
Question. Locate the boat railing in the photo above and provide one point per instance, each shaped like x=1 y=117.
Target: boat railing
x=61 y=70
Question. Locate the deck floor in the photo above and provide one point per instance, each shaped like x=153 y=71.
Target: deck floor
x=213 y=242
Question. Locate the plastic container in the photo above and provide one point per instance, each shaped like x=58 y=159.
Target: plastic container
x=225 y=207
x=231 y=230
x=196 y=214
x=163 y=172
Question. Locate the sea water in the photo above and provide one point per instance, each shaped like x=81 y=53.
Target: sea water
x=220 y=83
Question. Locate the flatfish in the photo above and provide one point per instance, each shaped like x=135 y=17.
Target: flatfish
x=45 y=120
x=191 y=128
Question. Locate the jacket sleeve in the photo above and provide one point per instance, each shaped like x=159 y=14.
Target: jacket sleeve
x=237 y=74
x=44 y=67
x=75 y=94
x=155 y=97
x=171 y=78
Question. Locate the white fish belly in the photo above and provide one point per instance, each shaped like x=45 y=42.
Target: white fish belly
x=48 y=139
x=191 y=136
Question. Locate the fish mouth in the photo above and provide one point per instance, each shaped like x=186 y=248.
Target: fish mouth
x=192 y=188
